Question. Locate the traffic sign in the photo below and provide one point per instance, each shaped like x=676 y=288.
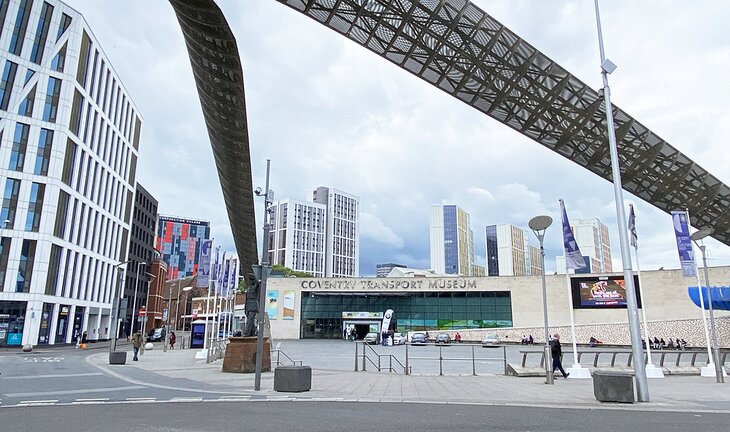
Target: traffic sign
x=142 y=311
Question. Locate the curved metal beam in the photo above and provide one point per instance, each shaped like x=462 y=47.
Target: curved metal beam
x=463 y=51
x=219 y=78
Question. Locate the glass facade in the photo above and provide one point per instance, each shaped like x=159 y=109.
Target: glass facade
x=179 y=241
x=12 y=322
x=321 y=314
x=492 y=254
x=451 y=241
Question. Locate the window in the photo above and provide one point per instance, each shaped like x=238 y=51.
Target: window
x=68 y=161
x=74 y=123
x=3 y=12
x=26 y=107
x=41 y=34
x=25 y=267
x=43 y=157
x=65 y=22
x=35 y=207
x=4 y=253
x=10 y=203
x=6 y=85
x=84 y=59
x=20 y=144
x=59 y=61
x=60 y=226
x=21 y=24
x=50 y=108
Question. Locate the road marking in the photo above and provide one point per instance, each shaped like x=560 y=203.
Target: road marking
x=141 y=399
x=53 y=376
x=67 y=392
x=92 y=400
x=43 y=359
x=38 y=402
x=186 y=399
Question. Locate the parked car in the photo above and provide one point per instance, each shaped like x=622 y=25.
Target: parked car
x=443 y=338
x=371 y=338
x=490 y=340
x=156 y=335
x=418 y=338
x=399 y=339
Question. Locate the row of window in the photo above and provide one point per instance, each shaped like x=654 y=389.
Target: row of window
x=343 y=266
x=25 y=264
x=11 y=196
x=72 y=274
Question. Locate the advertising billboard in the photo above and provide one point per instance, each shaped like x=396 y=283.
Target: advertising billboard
x=594 y=292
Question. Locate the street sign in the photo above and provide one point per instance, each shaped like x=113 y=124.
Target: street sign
x=142 y=311
x=257 y=272
x=164 y=315
x=195 y=313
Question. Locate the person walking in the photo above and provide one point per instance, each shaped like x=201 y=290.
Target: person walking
x=557 y=352
x=173 y=339
x=136 y=343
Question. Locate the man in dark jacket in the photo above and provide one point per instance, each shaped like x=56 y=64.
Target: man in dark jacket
x=557 y=353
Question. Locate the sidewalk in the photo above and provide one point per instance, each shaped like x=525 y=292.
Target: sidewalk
x=676 y=393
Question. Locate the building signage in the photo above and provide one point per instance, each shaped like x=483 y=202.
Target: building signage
x=390 y=284
x=378 y=315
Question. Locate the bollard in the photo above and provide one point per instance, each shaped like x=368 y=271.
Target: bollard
x=356 y=357
x=473 y=362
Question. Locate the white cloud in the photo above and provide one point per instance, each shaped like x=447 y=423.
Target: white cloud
x=373 y=228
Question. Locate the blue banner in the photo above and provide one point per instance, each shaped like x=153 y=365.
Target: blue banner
x=203 y=278
x=680 y=220
x=632 y=227
x=233 y=281
x=573 y=258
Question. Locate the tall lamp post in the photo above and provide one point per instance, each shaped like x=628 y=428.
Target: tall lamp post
x=696 y=237
x=607 y=67
x=538 y=225
x=169 y=312
x=177 y=307
x=262 y=272
x=115 y=311
x=134 y=302
x=147 y=301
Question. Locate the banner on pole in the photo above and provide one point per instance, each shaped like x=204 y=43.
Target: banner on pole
x=680 y=220
x=573 y=258
x=203 y=278
x=632 y=227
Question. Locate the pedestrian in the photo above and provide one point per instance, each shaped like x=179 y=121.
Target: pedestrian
x=84 y=337
x=557 y=352
x=136 y=343
x=530 y=340
x=457 y=337
x=173 y=338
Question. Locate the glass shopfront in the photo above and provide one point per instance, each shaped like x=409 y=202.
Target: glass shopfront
x=12 y=322
x=44 y=332
x=321 y=313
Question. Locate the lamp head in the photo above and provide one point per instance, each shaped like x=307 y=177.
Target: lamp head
x=701 y=233
x=540 y=223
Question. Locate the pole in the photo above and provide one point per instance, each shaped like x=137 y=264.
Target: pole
x=549 y=378
x=113 y=316
x=652 y=371
x=642 y=388
x=262 y=285
x=167 y=321
x=134 y=302
x=719 y=373
x=576 y=365
x=177 y=306
x=207 y=306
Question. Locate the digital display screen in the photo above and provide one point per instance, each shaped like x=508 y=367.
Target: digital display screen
x=601 y=292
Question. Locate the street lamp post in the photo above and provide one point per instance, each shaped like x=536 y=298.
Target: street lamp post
x=538 y=225
x=147 y=301
x=642 y=387
x=134 y=302
x=696 y=237
x=169 y=312
x=263 y=273
x=114 y=312
x=177 y=306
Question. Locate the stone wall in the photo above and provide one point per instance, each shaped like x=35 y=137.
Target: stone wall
x=690 y=330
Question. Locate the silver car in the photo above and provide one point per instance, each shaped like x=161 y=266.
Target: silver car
x=490 y=340
x=399 y=339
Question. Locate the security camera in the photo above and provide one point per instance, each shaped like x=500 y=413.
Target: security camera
x=257 y=191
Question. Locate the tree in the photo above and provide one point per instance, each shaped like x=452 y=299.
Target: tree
x=287 y=272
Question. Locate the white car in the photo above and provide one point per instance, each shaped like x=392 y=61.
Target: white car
x=399 y=339
x=490 y=340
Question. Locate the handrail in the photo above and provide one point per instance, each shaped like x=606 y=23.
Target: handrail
x=282 y=353
x=692 y=353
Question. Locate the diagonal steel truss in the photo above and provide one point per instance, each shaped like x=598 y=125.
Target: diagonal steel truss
x=460 y=49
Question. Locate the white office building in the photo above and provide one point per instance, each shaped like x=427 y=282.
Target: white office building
x=298 y=236
x=342 y=249
x=68 y=154
x=509 y=252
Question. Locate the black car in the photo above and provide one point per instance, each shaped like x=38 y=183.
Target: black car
x=419 y=339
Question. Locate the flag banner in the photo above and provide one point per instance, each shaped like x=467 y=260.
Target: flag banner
x=224 y=285
x=632 y=227
x=219 y=276
x=233 y=281
x=214 y=272
x=680 y=220
x=203 y=278
x=573 y=258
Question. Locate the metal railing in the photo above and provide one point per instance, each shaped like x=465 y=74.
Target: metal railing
x=277 y=354
x=367 y=355
x=217 y=349
x=666 y=358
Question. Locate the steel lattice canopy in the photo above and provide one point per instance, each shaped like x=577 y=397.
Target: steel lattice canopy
x=461 y=50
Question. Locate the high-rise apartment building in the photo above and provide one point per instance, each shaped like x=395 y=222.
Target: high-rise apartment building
x=178 y=240
x=509 y=252
x=298 y=236
x=69 y=140
x=451 y=241
x=342 y=249
x=382 y=270
x=592 y=238
x=141 y=247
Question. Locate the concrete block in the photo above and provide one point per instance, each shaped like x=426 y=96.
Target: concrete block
x=27 y=348
x=613 y=386
x=118 y=357
x=292 y=378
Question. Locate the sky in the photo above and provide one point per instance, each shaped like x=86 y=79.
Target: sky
x=328 y=112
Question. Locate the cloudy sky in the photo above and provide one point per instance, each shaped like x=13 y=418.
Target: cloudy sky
x=329 y=112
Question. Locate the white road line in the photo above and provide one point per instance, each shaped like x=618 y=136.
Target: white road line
x=186 y=399
x=52 y=376
x=67 y=392
x=92 y=400
x=39 y=402
x=140 y=399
